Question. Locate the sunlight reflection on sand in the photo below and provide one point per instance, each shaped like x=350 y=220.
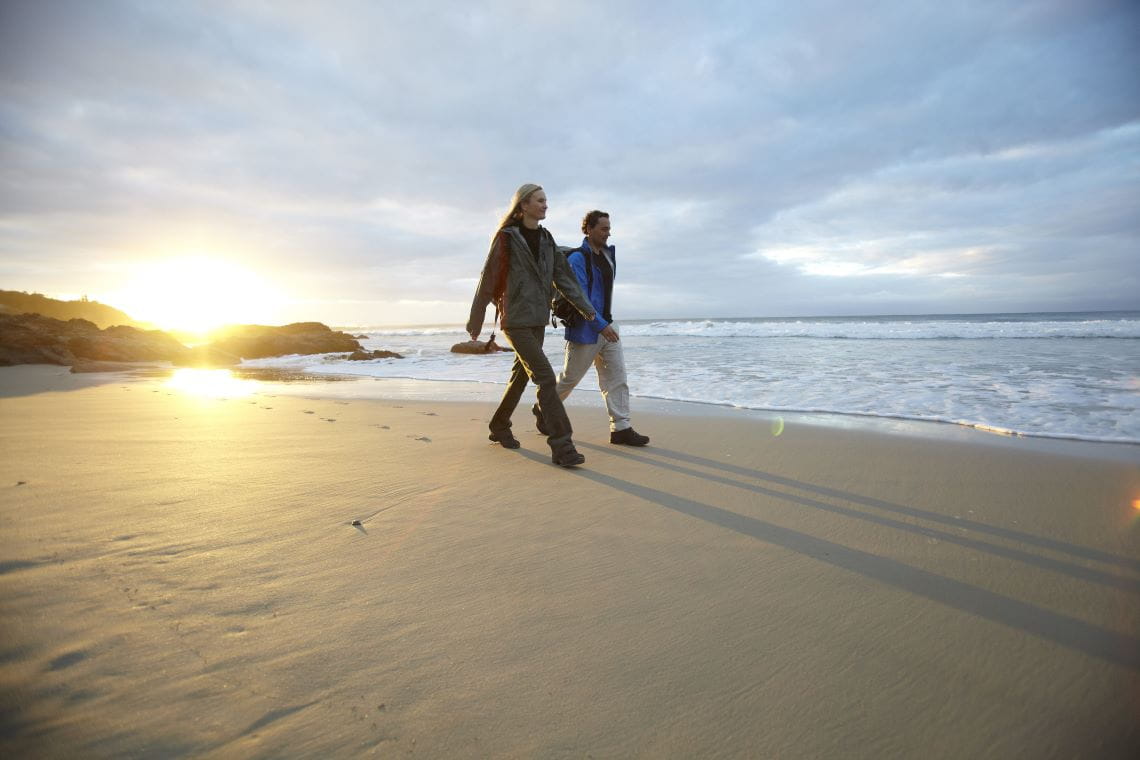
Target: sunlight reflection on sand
x=211 y=383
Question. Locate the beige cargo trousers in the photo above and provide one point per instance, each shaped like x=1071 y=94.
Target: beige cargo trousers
x=608 y=359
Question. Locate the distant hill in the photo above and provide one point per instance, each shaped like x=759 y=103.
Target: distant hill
x=17 y=302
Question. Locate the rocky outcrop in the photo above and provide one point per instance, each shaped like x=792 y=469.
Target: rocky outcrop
x=260 y=341
x=35 y=339
x=17 y=302
x=478 y=347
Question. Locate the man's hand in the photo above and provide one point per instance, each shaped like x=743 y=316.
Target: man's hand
x=610 y=334
x=474 y=335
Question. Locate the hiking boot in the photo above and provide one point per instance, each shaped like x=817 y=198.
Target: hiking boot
x=628 y=437
x=539 y=421
x=567 y=457
x=505 y=439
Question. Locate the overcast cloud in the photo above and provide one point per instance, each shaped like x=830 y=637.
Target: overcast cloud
x=758 y=158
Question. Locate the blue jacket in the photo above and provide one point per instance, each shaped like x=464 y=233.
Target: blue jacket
x=582 y=331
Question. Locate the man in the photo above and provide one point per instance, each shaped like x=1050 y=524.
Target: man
x=596 y=341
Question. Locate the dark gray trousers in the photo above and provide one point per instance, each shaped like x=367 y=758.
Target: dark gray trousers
x=531 y=364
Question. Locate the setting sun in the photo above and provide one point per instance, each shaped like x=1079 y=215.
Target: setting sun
x=196 y=294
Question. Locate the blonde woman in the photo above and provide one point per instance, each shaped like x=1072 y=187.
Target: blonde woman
x=523 y=268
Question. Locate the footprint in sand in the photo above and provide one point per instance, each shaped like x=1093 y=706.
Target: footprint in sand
x=68 y=659
x=309 y=411
x=328 y=419
x=429 y=414
x=423 y=438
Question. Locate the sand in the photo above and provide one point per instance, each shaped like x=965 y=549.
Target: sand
x=180 y=575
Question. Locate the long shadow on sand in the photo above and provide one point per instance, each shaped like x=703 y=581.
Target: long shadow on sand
x=886 y=506
x=1069 y=632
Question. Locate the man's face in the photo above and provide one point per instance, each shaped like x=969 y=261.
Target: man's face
x=600 y=232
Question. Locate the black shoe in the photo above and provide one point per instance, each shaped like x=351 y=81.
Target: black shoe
x=629 y=437
x=505 y=439
x=539 y=421
x=567 y=457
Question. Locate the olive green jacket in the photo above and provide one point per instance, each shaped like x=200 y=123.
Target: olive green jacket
x=524 y=298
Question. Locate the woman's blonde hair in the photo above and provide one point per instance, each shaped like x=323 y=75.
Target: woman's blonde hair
x=515 y=214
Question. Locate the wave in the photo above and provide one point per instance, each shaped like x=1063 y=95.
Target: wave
x=878 y=330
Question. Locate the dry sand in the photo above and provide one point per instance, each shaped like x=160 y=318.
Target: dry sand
x=180 y=576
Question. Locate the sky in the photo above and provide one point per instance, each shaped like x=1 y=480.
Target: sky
x=346 y=161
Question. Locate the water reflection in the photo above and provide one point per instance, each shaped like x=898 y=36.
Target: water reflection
x=277 y=375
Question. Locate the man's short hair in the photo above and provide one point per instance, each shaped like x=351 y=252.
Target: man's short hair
x=591 y=218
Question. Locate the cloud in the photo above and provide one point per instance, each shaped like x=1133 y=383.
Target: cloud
x=757 y=158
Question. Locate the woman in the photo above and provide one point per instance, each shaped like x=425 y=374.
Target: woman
x=522 y=267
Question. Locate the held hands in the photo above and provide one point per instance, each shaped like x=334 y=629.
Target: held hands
x=610 y=334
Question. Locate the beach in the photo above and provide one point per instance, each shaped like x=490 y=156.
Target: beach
x=250 y=570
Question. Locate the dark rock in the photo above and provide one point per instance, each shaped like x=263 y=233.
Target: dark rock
x=35 y=339
x=260 y=341
x=359 y=356
x=478 y=347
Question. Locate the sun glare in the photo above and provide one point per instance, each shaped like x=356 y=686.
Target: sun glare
x=196 y=294
x=210 y=383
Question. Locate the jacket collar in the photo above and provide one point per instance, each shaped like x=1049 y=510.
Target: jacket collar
x=514 y=232
x=587 y=247
x=609 y=249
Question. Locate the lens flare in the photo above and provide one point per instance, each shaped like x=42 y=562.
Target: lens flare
x=777 y=426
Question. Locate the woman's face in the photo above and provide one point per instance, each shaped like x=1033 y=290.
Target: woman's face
x=534 y=207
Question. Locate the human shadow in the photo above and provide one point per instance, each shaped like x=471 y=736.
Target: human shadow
x=1046 y=563
x=886 y=506
x=1078 y=635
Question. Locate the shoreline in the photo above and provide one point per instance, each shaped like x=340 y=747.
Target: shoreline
x=288 y=381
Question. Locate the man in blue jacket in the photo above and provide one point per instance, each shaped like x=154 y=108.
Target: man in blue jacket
x=596 y=342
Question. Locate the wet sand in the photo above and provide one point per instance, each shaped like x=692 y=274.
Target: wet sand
x=180 y=575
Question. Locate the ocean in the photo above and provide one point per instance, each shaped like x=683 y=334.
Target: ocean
x=1056 y=375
